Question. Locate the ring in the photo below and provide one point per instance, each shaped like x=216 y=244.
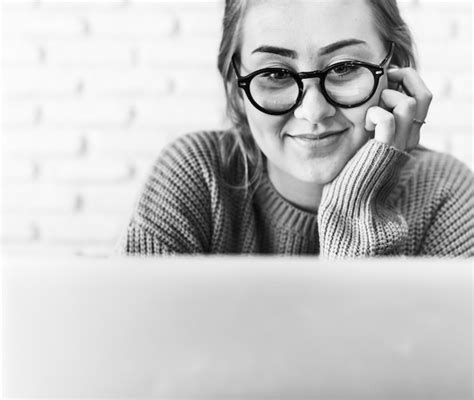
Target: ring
x=417 y=121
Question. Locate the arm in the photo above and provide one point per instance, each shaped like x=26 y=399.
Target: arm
x=356 y=217
x=172 y=214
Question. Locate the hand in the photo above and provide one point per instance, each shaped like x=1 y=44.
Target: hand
x=393 y=120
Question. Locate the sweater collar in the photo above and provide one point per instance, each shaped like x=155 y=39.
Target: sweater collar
x=281 y=212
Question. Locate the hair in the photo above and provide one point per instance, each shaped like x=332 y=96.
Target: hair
x=238 y=142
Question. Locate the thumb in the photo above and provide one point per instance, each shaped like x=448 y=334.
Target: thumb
x=383 y=123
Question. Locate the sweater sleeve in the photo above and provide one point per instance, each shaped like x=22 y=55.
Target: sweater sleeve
x=450 y=230
x=172 y=214
x=355 y=216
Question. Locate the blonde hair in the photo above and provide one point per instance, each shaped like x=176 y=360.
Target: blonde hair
x=238 y=143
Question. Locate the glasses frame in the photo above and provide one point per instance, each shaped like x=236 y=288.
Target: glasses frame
x=377 y=70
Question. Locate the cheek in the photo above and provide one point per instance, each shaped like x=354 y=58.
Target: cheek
x=263 y=125
x=357 y=115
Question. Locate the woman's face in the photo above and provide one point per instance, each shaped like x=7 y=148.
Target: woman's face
x=317 y=33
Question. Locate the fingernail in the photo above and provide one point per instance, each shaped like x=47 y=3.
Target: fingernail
x=393 y=69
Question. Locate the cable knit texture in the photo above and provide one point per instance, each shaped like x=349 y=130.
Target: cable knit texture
x=384 y=202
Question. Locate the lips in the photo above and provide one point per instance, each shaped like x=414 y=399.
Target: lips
x=319 y=136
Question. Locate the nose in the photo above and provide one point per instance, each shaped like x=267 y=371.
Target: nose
x=314 y=107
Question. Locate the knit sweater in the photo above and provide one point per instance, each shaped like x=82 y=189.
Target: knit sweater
x=384 y=202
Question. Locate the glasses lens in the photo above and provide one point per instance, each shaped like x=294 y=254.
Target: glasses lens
x=349 y=84
x=275 y=91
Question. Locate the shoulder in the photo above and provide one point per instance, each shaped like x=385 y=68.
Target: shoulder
x=196 y=148
x=181 y=180
x=195 y=157
x=188 y=167
x=437 y=172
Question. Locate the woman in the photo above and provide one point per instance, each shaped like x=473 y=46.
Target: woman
x=323 y=157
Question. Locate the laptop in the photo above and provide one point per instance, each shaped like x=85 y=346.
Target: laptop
x=237 y=328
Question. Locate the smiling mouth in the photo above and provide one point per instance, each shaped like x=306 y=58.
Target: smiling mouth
x=312 y=136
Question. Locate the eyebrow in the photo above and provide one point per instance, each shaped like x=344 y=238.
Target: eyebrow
x=322 y=51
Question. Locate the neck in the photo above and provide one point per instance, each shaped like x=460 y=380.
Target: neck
x=304 y=195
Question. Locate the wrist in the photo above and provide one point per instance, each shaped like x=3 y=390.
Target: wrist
x=371 y=173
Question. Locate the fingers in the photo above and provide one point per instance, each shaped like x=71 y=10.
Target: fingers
x=414 y=87
x=383 y=122
x=404 y=109
x=393 y=120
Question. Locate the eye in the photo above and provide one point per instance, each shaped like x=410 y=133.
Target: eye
x=344 y=69
x=276 y=75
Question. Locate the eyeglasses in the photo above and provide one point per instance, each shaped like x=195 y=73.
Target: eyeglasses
x=345 y=84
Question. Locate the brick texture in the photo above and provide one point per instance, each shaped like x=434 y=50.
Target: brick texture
x=93 y=90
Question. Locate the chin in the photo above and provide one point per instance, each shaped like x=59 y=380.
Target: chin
x=319 y=176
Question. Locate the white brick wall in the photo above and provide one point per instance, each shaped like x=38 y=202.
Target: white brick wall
x=93 y=90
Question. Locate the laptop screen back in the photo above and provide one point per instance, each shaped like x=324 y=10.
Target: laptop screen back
x=204 y=327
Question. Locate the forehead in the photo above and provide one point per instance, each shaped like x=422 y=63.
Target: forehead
x=306 y=24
